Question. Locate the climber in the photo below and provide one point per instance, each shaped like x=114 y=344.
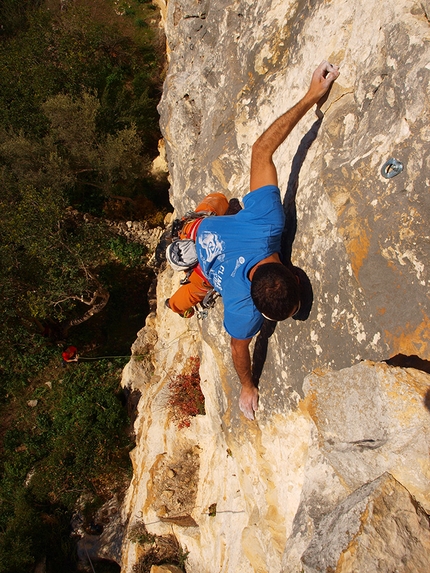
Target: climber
x=239 y=255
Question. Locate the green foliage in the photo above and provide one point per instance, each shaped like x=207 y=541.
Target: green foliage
x=70 y=52
x=13 y=15
x=55 y=452
x=23 y=354
x=79 y=439
x=78 y=129
x=182 y=558
x=46 y=255
x=80 y=114
x=78 y=125
x=130 y=254
x=139 y=534
x=16 y=543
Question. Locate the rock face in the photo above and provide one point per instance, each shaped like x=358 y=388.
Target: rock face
x=334 y=473
x=377 y=528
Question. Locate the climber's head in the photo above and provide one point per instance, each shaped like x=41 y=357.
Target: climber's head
x=275 y=291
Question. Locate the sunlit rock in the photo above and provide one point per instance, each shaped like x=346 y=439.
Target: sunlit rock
x=333 y=418
x=379 y=527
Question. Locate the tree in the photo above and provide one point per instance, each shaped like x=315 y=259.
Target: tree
x=49 y=258
x=51 y=254
x=78 y=125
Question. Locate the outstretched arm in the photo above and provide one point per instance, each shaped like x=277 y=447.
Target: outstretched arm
x=248 y=401
x=263 y=171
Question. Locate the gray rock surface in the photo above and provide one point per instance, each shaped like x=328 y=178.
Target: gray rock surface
x=379 y=527
x=333 y=417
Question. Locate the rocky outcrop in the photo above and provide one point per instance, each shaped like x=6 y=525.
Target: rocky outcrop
x=333 y=475
x=379 y=527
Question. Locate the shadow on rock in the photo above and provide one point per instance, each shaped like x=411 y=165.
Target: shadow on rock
x=413 y=361
x=287 y=240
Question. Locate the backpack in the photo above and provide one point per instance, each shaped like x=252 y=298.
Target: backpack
x=181 y=254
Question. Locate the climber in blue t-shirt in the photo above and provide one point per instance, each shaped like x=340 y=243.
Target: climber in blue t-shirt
x=229 y=247
x=239 y=254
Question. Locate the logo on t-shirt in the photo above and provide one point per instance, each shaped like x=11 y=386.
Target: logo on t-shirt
x=239 y=262
x=212 y=246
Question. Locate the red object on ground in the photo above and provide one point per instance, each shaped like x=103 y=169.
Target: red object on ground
x=69 y=353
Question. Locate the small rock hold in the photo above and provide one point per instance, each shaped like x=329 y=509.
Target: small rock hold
x=163 y=511
x=212 y=510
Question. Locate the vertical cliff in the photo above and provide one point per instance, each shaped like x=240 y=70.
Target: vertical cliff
x=333 y=475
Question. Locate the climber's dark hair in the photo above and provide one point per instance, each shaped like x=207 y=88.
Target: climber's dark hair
x=275 y=291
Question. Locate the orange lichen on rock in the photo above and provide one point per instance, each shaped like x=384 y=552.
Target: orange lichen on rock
x=357 y=246
x=309 y=406
x=411 y=339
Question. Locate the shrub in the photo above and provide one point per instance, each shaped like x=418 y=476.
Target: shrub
x=128 y=253
x=186 y=397
x=72 y=442
x=158 y=550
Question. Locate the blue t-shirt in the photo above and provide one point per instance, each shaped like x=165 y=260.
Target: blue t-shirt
x=229 y=246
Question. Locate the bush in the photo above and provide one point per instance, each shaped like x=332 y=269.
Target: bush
x=78 y=123
x=73 y=442
x=128 y=253
x=186 y=397
x=158 y=549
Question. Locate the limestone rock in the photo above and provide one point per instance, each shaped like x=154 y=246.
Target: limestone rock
x=371 y=418
x=165 y=569
x=233 y=68
x=107 y=544
x=331 y=419
x=173 y=488
x=379 y=527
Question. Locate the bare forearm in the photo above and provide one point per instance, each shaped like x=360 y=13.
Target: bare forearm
x=263 y=171
x=242 y=361
x=248 y=400
x=322 y=78
x=276 y=134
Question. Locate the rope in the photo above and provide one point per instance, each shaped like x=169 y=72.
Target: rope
x=105 y=357
x=89 y=559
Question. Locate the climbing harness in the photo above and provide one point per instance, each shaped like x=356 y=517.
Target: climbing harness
x=210 y=299
x=391 y=168
x=186 y=227
x=182 y=256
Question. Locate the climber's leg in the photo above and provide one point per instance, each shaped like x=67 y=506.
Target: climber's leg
x=216 y=203
x=189 y=295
